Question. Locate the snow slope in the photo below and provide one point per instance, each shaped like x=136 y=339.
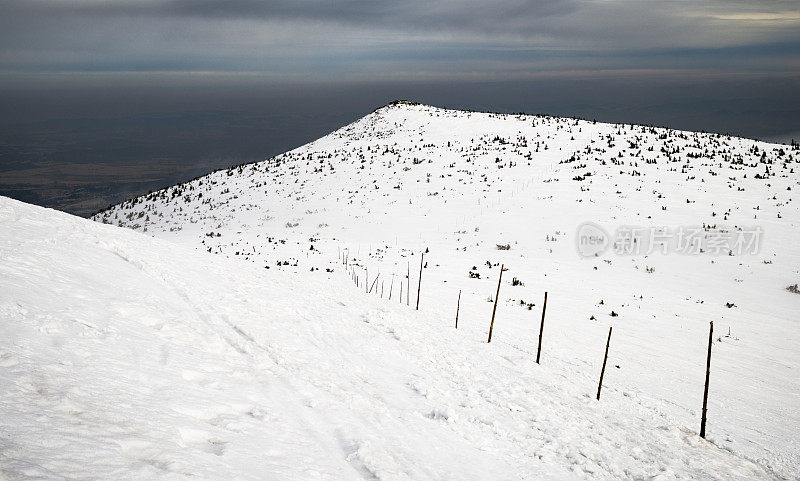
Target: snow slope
x=410 y=177
x=126 y=357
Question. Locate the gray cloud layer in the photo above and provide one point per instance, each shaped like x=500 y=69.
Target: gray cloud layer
x=391 y=38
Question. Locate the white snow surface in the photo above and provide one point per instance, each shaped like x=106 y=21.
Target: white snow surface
x=215 y=351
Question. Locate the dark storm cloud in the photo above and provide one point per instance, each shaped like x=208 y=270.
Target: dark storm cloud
x=374 y=38
x=414 y=14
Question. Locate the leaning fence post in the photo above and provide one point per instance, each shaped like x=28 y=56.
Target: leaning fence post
x=374 y=283
x=496 y=297
x=603 y=370
x=708 y=375
x=458 y=306
x=541 y=329
x=419 y=282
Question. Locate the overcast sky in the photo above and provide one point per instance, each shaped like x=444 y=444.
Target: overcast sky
x=415 y=40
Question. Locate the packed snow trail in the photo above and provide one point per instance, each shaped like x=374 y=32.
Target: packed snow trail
x=127 y=357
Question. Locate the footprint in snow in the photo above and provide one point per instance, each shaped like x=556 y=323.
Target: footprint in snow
x=202 y=440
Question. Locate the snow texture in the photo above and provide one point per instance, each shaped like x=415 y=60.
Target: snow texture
x=237 y=345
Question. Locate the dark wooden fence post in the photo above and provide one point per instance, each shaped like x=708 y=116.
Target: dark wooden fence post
x=708 y=375
x=458 y=306
x=603 y=370
x=496 y=297
x=419 y=282
x=541 y=329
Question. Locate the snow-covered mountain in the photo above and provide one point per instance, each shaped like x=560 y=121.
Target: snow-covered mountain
x=283 y=348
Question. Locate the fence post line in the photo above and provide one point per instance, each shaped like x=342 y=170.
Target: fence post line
x=496 y=297
x=605 y=358
x=541 y=329
x=708 y=375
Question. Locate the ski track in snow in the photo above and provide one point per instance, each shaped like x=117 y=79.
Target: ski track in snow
x=128 y=357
